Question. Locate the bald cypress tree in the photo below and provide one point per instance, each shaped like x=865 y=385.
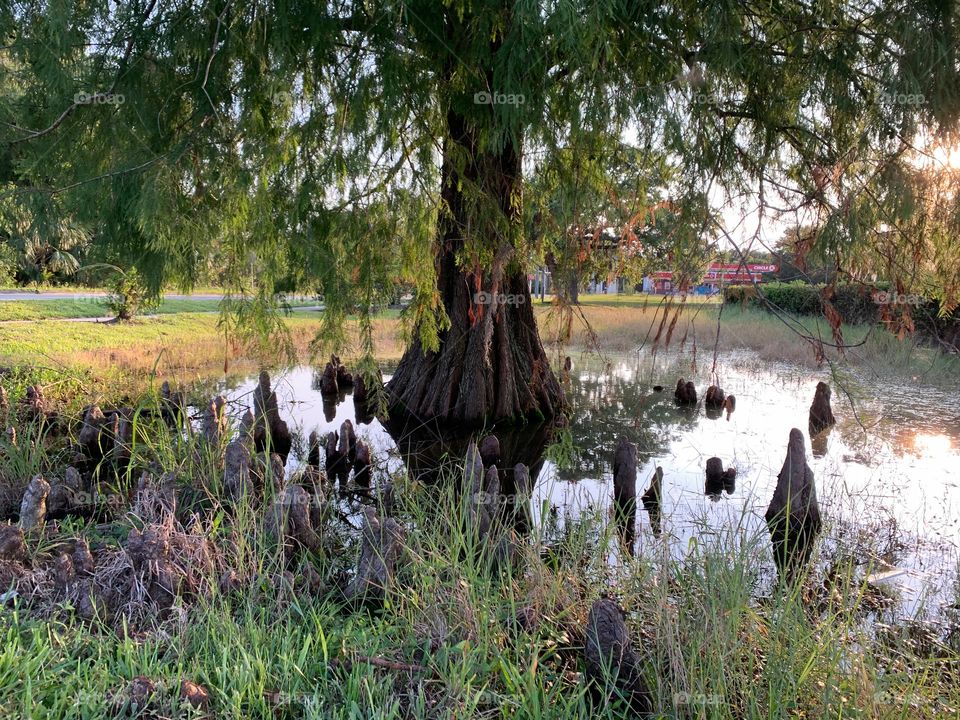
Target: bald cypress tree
x=347 y=146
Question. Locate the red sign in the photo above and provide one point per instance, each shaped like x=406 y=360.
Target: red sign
x=727 y=272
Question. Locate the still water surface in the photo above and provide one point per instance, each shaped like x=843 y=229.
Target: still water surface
x=888 y=474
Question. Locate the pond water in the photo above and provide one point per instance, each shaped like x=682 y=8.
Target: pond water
x=887 y=474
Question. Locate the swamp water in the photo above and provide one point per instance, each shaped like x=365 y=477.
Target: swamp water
x=887 y=475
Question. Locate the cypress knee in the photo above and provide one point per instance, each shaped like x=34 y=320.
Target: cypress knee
x=793 y=516
x=821 y=415
x=612 y=665
x=651 y=499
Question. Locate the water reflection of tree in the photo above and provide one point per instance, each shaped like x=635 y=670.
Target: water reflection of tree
x=607 y=405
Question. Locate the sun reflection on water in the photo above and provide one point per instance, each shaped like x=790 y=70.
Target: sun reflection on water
x=931 y=446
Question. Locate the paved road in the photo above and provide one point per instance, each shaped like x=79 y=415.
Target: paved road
x=27 y=295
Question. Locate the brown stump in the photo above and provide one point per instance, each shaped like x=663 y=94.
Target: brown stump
x=362 y=402
x=361 y=464
x=336 y=465
x=236 y=474
x=213 y=427
x=613 y=667
x=290 y=520
x=490 y=450
x=268 y=472
x=713 y=402
x=83 y=562
x=92 y=433
x=247 y=427
x=172 y=405
x=313 y=454
x=625 y=491
x=714 y=398
x=522 y=488
x=348 y=443
x=12 y=546
x=793 y=516
x=122 y=425
x=494 y=541
x=197 y=696
x=380 y=550
x=521 y=480
x=328 y=380
x=482 y=499
x=270 y=430
x=155 y=502
x=625 y=473
x=685 y=393
x=35 y=403
x=67 y=496
x=473 y=469
x=33 y=507
x=730 y=480
x=730 y=404
x=150 y=555
x=719 y=480
x=344 y=376
x=361 y=396
x=651 y=500
x=821 y=415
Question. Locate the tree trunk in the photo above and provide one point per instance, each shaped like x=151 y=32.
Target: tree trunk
x=490 y=365
x=566 y=281
x=573 y=288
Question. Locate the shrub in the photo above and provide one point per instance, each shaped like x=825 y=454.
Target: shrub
x=129 y=296
x=854 y=301
x=8 y=264
x=794 y=297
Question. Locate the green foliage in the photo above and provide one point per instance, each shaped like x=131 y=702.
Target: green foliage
x=298 y=147
x=798 y=298
x=451 y=626
x=8 y=264
x=854 y=302
x=129 y=296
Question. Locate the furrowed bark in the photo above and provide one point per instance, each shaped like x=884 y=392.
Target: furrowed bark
x=490 y=364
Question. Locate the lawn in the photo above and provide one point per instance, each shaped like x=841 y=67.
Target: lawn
x=191 y=345
x=95 y=307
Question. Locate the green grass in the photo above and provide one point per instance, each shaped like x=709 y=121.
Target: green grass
x=709 y=647
x=73 y=360
x=632 y=300
x=80 y=288
x=19 y=310
x=191 y=344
